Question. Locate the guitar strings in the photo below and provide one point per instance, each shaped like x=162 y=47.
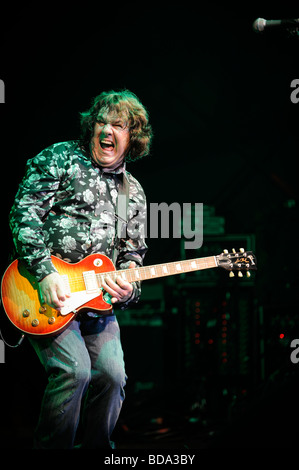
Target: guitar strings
x=130 y=274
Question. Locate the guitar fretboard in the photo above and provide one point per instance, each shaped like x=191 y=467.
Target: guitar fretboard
x=161 y=270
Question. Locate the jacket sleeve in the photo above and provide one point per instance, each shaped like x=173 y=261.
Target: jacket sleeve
x=33 y=202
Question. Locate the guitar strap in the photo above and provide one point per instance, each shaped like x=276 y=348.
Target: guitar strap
x=121 y=214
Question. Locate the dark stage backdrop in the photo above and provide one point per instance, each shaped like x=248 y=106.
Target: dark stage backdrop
x=225 y=135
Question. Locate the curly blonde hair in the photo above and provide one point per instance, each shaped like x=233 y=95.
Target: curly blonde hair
x=124 y=103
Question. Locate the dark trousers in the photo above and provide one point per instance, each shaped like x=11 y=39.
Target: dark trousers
x=86 y=379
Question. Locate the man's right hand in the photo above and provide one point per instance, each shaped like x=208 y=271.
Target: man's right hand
x=53 y=291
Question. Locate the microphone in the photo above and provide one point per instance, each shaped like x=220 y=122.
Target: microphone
x=260 y=24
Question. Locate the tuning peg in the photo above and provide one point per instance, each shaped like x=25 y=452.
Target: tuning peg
x=225 y=252
x=242 y=250
x=240 y=274
x=233 y=250
x=231 y=274
x=248 y=273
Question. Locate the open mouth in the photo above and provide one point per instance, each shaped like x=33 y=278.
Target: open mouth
x=106 y=144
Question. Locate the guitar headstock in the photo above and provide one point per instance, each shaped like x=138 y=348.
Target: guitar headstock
x=241 y=261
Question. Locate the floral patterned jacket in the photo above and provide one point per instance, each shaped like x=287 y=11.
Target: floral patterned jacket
x=59 y=210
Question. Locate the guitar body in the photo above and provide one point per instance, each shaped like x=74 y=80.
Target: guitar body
x=24 y=308
x=82 y=281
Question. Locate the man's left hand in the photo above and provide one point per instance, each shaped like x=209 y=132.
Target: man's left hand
x=120 y=290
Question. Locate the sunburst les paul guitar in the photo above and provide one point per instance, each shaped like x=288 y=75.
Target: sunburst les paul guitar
x=23 y=305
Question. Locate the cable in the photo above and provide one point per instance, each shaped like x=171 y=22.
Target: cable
x=11 y=345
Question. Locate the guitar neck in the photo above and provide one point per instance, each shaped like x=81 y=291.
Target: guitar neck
x=161 y=270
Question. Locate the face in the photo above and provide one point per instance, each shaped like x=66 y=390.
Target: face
x=111 y=139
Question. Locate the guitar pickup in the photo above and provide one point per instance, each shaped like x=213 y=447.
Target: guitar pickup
x=66 y=283
x=91 y=282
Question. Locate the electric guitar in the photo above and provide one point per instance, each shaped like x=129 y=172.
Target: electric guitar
x=82 y=281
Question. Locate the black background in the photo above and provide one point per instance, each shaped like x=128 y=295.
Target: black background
x=225 y=134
